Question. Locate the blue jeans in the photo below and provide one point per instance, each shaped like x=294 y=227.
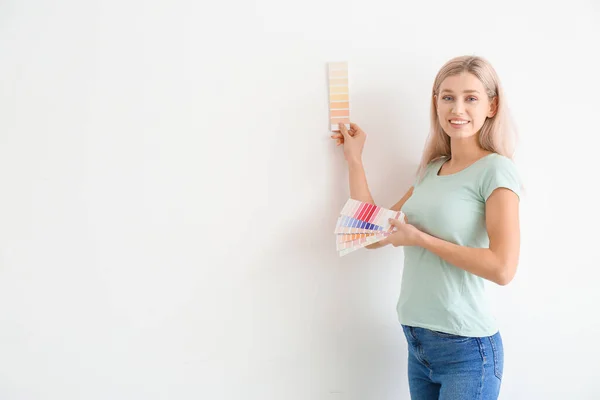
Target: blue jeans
x=442 y=366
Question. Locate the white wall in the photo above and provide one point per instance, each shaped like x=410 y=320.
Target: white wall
x=169 y=193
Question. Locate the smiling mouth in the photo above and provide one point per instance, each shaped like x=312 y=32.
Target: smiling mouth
x=459 y=122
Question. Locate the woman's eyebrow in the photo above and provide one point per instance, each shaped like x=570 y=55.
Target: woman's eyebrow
x=466 y=91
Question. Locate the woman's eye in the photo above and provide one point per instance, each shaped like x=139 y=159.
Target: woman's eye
x=474 y=98
x=446 y=97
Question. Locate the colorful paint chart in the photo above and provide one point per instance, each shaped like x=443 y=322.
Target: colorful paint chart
x=339 y=95
x=361 y=224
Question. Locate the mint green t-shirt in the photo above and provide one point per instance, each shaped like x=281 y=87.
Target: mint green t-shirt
x=435 y=294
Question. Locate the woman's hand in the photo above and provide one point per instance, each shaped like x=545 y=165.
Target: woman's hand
x=353 y=141
x=404 y=234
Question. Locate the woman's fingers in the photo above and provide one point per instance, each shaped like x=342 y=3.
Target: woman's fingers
x=355 y=129
x=348 y=132
x=343 y=129
x=339 y=139
x=343 y=132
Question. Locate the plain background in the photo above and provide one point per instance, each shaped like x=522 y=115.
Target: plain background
x=169 y=193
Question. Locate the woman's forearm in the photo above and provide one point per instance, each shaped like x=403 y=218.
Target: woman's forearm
x=479 y=261
x=359 y=189
x=376 y=245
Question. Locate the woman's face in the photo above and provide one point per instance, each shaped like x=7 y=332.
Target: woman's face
x=463 y=105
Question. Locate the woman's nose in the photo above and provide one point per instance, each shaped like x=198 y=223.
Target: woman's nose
x=458 y=107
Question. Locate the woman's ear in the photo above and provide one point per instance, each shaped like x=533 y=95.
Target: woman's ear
x=493 y=107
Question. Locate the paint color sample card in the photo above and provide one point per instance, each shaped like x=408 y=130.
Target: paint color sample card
x=359 y=217
x=339 y=95
x=357 y=245
x=359 y=241
x=361 y=224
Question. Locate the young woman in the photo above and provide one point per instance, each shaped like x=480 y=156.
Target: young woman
x=461 y=228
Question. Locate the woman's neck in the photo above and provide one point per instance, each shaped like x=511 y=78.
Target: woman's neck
x=465 y=151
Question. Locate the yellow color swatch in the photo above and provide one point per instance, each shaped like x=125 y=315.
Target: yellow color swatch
x=339 y=100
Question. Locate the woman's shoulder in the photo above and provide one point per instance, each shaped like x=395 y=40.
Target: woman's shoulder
x=499 y=171
x=431 y=167
x=495 y=161
x=437 y=161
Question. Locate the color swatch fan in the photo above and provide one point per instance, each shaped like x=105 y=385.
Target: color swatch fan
x=361 y=224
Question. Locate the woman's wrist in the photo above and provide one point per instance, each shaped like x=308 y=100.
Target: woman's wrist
x=420 y=239
x=354 y=161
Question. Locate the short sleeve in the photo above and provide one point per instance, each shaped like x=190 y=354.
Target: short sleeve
x=502 y=173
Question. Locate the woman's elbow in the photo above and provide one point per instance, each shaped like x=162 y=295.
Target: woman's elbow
x=506 y=274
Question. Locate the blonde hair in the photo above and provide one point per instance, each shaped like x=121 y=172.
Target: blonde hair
x=498 y=134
